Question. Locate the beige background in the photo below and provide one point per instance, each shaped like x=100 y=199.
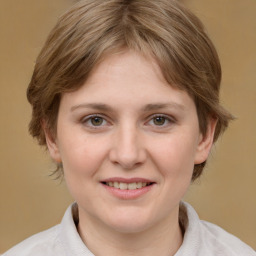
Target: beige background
x=30 y=201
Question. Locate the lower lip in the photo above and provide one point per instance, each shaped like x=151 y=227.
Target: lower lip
x=127 y=194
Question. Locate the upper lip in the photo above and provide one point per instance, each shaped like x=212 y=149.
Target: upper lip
x=127 y=180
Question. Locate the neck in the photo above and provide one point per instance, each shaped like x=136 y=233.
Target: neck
x=161 y=239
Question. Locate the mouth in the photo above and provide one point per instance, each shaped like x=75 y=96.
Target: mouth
x=127 y=185
x=128 y=189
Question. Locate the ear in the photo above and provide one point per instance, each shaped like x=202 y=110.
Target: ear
x=205 y=142
x=52 y=145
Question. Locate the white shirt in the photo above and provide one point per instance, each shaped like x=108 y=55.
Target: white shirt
x=201 y=238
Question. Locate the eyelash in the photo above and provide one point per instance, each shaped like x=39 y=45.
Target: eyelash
x=167 y=120
x=87 y=121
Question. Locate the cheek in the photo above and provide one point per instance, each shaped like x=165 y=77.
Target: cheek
x=175 y=156
x=82 y=157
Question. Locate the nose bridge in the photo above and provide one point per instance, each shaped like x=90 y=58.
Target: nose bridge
x=128 y=150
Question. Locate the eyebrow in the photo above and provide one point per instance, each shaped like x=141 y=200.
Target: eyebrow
x=147 y=108
x=97 y=106
x=159 y=106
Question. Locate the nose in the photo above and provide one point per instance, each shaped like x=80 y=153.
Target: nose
x=127 y=149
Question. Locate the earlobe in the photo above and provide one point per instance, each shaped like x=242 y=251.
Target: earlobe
x=205 y=142
x=52 y=145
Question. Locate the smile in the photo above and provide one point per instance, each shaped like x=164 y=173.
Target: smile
x=128 y=189
x=129 y=186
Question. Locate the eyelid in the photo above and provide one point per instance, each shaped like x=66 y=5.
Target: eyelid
x=86 y=118
x=163 y=115
x=170 y=119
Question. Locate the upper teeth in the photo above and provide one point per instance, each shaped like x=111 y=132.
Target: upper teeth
x=129 y=186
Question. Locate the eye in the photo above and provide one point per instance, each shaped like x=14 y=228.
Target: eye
x=94 y=121
x=161 y=121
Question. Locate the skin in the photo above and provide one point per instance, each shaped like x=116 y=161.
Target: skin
x=141 y=128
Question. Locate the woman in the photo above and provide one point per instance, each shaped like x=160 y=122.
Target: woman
x=125 y=95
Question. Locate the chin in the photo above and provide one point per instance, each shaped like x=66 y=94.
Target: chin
x=129 y=228
x=129 y=222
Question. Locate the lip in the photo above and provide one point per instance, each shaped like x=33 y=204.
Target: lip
x=127 y=180
x=127 y=194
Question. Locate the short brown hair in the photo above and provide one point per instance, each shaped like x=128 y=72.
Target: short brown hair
x=93 y=29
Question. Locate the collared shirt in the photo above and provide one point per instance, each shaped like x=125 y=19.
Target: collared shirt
x=201 y=238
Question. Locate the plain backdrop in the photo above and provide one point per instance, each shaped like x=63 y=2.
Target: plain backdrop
x=31 y=201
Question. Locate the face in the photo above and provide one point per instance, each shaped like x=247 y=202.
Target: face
x=128 y=142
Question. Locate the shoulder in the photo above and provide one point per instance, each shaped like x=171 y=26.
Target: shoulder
x=59 y=240
x=223 y=242
x=205 y=238
x=44 y=243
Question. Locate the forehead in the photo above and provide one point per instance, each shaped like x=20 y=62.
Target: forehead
x=127 y=79
x=127 y=62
